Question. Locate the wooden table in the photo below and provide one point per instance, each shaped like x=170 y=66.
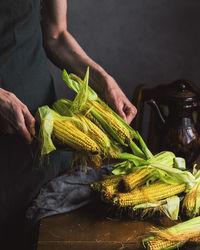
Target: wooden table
x=92 y=228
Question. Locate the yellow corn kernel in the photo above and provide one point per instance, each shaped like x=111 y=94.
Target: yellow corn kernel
x=154 y=192
x=93 y=119
x=107 y=181
x=69 y=135
x=110 y=179
x=109 y=187
x=158 y=244
x=134 y=179
x=119 y=128
x=95 y=133
x=191 y=206
x=108 y=192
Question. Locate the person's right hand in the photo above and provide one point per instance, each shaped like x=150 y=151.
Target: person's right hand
x=15 y=118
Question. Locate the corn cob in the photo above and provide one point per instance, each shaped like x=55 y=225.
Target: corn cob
x=95 y=160
x=136 y=178
x=107 y=187
x=96 y=186
x=107 y=181
x=157 y=244
x=108 y=116
x=95 y=133
x=191 y=202
x=108 y=192
x=86 y=97
x=73 y=137
x=93 y=119
x=175 y=236
x=154 y=192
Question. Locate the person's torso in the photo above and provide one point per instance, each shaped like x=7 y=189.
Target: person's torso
x=23 y=63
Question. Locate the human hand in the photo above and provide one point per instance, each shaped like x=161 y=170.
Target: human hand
x=15 y=117
x=117 y=100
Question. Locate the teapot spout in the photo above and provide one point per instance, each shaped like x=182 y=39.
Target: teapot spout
x=154 y=105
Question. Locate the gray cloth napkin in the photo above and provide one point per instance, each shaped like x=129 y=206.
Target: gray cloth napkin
x=65 y=193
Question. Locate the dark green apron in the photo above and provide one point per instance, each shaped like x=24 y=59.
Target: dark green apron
x=23 y=71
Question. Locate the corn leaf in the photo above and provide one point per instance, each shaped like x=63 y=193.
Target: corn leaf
x=74 y=82
x=183 y=231
x=45 y=118
x=171 y=208
x=197 y=204
x=62 y=108
x=164 y=158
x=133 y=158
x=178 y=234
x=122 y=169
x=175 y=176
x=70 y=83
x=136 y=150
x=92 y=95
x=144 y=147
x=179 y=163
x=82 y=95
x=197 y=175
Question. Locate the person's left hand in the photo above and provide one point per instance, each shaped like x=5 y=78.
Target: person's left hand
x=117 y=100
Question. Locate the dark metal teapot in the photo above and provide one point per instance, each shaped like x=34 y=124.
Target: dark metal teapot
x=179 y=132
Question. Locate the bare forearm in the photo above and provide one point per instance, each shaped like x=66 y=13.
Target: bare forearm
x=66 y=53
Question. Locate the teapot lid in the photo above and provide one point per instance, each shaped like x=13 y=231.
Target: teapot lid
x=182 y=96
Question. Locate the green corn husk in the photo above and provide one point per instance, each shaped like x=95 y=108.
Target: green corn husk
x=62 y=106
x=65 y=107
x=179 y=163
x=109 y=149
x=123 y=168
x=48 y=119
x=144 y=147
x=191 y=202
x=169 y=207
x=82 y=95
x=163 y=172
x=107 y=127
x=136 y=150
x=98 y=108
x=164 y=158
x=74 y=82
x=175 y=236
x=174 y=176
x=136 y=160
x=44 y=118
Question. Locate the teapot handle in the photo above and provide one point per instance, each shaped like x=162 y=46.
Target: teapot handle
x=152 y=103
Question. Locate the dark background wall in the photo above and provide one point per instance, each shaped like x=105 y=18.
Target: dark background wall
x=138 y=41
